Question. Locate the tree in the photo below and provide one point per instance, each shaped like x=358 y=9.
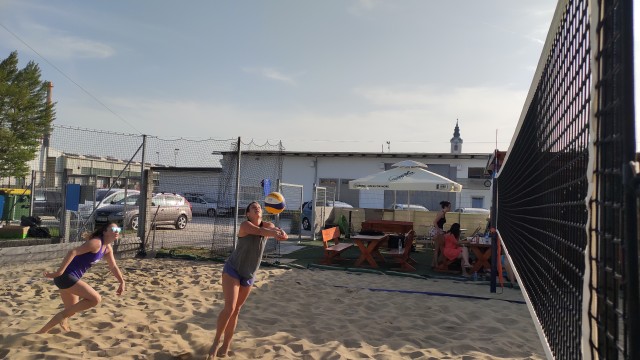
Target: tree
x=25 y=115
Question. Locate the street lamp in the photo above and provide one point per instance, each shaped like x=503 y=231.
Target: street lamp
x=175 y=157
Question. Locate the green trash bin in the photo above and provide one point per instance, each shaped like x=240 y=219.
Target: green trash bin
x=16 y=205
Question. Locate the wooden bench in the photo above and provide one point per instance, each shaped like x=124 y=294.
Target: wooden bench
x=332 y=252
x=403 y=258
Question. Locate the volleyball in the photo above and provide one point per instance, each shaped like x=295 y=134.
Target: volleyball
x=274 y=203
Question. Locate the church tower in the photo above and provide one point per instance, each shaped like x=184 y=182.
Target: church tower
x=456 y=141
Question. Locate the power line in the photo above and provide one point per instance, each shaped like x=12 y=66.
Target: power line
x=69 y=78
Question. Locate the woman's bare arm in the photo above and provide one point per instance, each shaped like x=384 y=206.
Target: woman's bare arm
x=115 y=270
x=92 y=245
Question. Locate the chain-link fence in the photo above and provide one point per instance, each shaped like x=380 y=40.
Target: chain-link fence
x=87 y=178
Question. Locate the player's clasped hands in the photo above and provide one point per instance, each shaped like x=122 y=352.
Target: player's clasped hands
x=281 y=235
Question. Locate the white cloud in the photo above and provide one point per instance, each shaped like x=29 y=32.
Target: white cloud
x=56 y=44
x=420 y=121
x=272 y=74
x=367 y=4
x=365 y=7
x=438 y=109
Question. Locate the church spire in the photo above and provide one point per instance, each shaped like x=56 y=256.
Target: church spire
x=456 y=141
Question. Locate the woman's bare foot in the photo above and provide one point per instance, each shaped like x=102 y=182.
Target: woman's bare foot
x=212 y=351
x=223 y=352
x=64 y=324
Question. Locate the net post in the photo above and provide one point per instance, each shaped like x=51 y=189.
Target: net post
x=235 y=218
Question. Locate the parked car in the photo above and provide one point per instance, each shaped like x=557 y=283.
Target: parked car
x=47 y=202
x=472 y=211
x=202 y=205
x=307 y=211
x=166 y=209
x=408 y=207
x=104 y=197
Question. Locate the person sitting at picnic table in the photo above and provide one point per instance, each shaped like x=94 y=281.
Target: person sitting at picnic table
x=453 y=250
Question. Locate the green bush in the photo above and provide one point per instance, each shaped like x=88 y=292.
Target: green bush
x=343 y=224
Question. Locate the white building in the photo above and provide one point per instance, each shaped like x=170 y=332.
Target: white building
x=334 y=170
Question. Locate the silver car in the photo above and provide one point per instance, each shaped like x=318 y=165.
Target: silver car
x=166 y=209
x=104 y=197
x=202 y=205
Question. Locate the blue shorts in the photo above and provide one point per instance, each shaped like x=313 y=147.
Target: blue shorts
x=234 y=274
x=65 y=281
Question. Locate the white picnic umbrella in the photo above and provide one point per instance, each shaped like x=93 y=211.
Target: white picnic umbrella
x=406 y=175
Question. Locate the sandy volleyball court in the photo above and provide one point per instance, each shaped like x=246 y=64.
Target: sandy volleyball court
x=170 y=307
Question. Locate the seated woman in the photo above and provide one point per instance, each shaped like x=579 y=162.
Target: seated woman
x=452 y=249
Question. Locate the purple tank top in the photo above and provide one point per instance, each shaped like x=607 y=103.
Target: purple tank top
x=81 y=263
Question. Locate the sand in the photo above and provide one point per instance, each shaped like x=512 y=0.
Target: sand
x=170 y=307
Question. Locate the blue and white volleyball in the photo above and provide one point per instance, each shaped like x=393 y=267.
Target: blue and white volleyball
x=274 y=203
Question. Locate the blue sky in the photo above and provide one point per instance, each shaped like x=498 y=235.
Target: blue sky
x=330 y=75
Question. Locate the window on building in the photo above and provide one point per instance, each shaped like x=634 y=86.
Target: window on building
x=476 y=173
x=477 y=202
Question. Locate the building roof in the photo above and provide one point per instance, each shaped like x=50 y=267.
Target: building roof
x=482 y=156
x=195 y=169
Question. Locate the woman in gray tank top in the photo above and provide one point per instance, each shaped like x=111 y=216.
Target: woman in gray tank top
x=76 y=294
x=239 y=273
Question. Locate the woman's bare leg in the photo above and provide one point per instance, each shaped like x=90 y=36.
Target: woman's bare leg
x=243 y=294
x=465 y=257
x=230 y=290
x=437 y=242
x=510 y=275
x=90 y=298
x=68 y=299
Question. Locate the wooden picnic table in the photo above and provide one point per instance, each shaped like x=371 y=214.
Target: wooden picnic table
x=388 y=226
x=483 y=257
x=369 y=248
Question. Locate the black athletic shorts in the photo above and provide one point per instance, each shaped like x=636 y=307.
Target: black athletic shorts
x=65 y=281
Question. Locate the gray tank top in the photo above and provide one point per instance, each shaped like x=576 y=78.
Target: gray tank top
x=246 y=257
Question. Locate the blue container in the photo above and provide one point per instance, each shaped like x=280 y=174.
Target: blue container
x=1 y=204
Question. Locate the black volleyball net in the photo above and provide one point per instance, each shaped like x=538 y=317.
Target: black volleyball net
x=566 y=194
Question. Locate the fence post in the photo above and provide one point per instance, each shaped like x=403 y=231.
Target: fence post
x=33 y=193
x=494 y=236
x=65 y=223
x=142 y=213
x=144 y=226
x=235 y=219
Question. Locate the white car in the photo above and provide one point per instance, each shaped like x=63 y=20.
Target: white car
x=307 y=209
x=472 y=211
x=202 y=205
x=408 y=207
x=104 y=197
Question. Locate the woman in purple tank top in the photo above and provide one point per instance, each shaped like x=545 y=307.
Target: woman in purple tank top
x=76 y=294
x=236 y=284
